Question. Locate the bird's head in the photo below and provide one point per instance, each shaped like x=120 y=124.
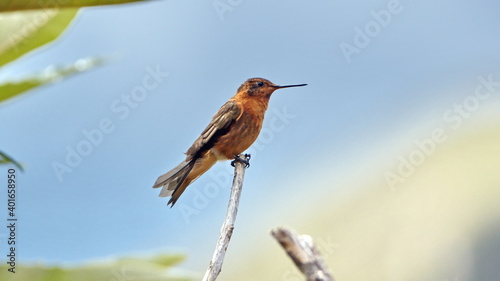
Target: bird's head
x=260 y=87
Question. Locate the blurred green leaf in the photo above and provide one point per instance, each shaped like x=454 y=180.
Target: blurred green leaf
x=6 y=5
x=51 y=74
x=23 y=32
x=116 y=270
x=167 y=260
x=5 y=160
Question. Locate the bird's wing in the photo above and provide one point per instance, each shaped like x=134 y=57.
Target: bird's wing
x=219 y=126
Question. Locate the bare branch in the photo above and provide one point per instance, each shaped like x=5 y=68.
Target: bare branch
x=303 y=253
x=227 y=227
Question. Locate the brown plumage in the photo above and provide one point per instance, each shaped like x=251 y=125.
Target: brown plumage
x=232 y=130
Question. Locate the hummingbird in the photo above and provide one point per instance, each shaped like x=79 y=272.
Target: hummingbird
x=233 y=129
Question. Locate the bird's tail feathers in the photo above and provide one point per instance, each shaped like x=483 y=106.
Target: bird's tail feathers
x=171 y=180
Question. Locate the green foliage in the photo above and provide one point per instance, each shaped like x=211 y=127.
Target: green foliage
x=29 y=25
x=51 y=74
x=8 y=5
x=125 y=269
x=5 y=159
x=23 y=32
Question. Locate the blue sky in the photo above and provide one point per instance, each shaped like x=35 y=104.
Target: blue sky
x=417 y=62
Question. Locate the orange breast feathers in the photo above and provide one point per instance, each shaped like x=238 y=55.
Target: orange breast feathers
x=245 y=129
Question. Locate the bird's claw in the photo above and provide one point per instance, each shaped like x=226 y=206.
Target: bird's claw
x=245 y=160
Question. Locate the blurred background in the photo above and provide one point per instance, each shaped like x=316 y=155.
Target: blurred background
x=389 y=158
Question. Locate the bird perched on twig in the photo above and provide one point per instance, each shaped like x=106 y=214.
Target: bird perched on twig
x=232 y=130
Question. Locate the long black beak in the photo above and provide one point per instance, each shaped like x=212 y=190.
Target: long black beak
x=289 y=86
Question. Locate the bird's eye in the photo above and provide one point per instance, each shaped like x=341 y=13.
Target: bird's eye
x=260 y=83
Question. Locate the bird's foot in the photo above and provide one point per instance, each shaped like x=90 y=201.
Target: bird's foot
x=245 y=160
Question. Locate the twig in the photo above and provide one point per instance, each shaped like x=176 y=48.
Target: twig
x=227 y=227
x=304 y=254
